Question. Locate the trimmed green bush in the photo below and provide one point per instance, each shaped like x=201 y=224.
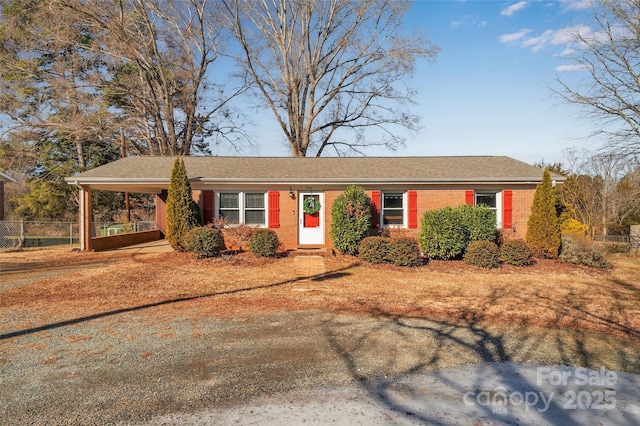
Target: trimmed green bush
x=181 y=215
x=375 y=249
x=397 y=251
x=517 y=253
x=405 y=252
x=442 y=234
x=578 y=254
x=543 y=227
x=350 y=219
x=483 y=254
x=264 y=243
x=480 y=222
x=204 y=241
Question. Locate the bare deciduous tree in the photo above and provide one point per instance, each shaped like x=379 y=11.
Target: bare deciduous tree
x=602 y=190
x=611 y=91
x=160 y=54
x=330 y=69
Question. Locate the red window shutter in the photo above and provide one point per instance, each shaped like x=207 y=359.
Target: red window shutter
x=507 y=209
x=375 y=204
x=470 y=197
x=274 y=209
x=207 y=206
x=413 y=209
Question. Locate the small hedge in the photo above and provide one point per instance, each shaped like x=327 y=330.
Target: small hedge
x=405 y=252
x=483 y=254
x=517 y=253
x=264 y=243
x=203 y=242
x=399 y=252
x=375 y=249
x=577 y=254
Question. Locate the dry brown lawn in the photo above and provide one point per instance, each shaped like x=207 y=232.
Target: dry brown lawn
x=44 y=286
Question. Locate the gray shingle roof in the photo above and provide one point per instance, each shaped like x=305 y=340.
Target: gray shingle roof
x=324 y=169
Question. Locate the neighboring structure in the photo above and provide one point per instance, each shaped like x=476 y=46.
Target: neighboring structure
x=270 y=192
x=3 y=178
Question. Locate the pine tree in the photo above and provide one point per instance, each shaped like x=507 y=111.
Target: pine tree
x=543 y=228
x=181 y=216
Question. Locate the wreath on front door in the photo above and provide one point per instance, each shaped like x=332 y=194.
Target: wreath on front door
x=311 y=205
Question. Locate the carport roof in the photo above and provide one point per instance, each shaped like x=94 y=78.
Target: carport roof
x=6 y=178
x=154 y=172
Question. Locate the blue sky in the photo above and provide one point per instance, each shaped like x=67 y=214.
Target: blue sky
x=487 y=92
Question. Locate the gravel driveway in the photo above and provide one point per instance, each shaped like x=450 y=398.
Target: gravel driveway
x=130 y=368
x=157 y=365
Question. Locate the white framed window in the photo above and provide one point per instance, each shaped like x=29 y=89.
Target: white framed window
x=243 y=207
x=394 y=209
x=493 y=200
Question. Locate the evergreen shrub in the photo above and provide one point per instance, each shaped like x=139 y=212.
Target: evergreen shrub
x=181 y=213
x=579 y=254
x=375 y=249
x=264 y=243
x=517 y=253
x=405 y=252
x=443 y=235
x=543 y=227
x=350 y=219
x=483 y=254
x=480 y=222
x=204 y=241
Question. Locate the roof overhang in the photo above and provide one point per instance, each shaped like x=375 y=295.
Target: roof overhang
x=6 y=178
x=156 y=185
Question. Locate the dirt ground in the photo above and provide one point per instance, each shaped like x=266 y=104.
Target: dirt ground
x=126 y=335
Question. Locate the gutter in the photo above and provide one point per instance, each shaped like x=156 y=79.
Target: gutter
x=297 y=182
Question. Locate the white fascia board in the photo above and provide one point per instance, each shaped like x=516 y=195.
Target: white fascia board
x=6 y=178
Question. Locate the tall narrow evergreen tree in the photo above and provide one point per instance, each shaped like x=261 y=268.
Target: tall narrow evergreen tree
x=543 y=228
x=181 y=217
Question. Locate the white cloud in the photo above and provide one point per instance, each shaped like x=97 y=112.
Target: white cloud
x=568 y=68
x=472 y=20
x=568 y=36
x=576 y=4
x=513 y=8
x=510 y=38
x=567 y=51
x=571 y=34
x=537 y=43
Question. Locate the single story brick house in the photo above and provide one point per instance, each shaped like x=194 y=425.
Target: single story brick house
x=269 y=192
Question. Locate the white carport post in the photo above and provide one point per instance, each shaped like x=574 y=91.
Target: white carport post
x=85 y=224
x=81 y=229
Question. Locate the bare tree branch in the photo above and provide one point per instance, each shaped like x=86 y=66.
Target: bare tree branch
x=329 y=66
x=610 y=93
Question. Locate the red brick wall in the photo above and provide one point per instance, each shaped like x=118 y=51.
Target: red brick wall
x=428 y=199
x=522 y=202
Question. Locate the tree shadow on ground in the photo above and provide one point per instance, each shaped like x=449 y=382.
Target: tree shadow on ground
x=335 y=274
x=431 y=344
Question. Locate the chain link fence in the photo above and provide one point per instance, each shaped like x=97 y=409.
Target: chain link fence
x=11 y=234
x=41 y=234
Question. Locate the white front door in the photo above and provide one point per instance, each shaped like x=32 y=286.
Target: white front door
x=311 y=226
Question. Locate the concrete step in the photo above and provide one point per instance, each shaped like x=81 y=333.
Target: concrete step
x=309 y=266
